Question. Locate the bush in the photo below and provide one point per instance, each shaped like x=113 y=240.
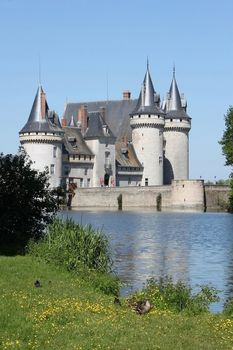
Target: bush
x=164 y=294
x=27 y=204
x=73 y=245
x=228 y=308
x=79 y=249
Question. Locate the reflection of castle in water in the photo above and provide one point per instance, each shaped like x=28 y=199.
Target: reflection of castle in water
x=152 y=254
x=194 y=247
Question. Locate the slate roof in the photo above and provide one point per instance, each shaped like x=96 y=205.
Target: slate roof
x=74 y=142
x=126 y=156
x=116 y=114
x=97 y=127
x=175 y=109
x=37 y=123
x=147 y=103
x=179 y=114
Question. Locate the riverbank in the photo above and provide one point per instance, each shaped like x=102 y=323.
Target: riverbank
x=66 y=312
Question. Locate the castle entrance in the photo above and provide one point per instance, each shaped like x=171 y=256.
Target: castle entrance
x=106 y=179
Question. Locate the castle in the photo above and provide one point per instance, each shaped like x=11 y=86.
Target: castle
x=130 y=142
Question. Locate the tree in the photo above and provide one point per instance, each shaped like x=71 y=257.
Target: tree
x=227 y=148
x=27 y=204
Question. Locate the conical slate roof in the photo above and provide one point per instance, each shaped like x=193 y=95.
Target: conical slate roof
x=38 y=120
x=175 y=102
x=146 y=101
x=174 y=109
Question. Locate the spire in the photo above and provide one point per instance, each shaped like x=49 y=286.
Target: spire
x=39 y=108
x=146 y=101
x=72 y=122
x=175 y=100
x=38 y=119
x=148 y=89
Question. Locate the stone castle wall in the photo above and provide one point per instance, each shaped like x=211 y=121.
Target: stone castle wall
x=216 y=197
x=181 y=195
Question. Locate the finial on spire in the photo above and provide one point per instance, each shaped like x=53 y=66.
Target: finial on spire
x=174 y=69
x=39 y=70
x=147 y=63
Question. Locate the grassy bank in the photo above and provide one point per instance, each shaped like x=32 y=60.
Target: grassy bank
x=68 y=313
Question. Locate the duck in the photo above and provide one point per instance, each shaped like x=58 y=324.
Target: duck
x=117 y=301
x=37 y=284
x=143 y=307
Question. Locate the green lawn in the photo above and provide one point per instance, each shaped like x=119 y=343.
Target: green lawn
x=66 y=313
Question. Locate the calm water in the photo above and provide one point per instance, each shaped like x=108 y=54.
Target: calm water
x=194 y=247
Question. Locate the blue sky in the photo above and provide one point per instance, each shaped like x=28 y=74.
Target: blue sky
x=82 y=44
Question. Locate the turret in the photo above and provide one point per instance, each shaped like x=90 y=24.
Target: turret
x=41 y=138
x=176 y=135
x=147 y=123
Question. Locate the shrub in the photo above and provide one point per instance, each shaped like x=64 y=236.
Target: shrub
x=164 y=294
x=228 y=308
x=27 y=204
x=79 y=249
x=69 y=244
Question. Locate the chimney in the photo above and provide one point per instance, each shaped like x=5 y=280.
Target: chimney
x=103 y=112
x=63 y=122
x=126 y=95
x=43 y=104
x=82 y=118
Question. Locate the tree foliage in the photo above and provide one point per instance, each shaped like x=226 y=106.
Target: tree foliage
x=27 y=204
x=227 y=148
x=227 y=139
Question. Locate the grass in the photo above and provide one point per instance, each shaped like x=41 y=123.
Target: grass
x=67 y=313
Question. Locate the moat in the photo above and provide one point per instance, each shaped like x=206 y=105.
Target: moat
x=196 y=248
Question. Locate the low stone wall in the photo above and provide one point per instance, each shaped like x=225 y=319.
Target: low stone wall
x=105 y=197
x=181 y=195
x=216 y=197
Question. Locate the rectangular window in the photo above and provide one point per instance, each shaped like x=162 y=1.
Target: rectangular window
x=81 y=182
x=54 y=152
x=146 y=182
x=88 y=182
x=85 y=171
x=52 y=169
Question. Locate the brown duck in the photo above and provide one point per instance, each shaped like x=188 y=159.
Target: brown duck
x=142 y=307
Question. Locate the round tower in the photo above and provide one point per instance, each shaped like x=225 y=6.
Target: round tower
x=42 y=138
x=147 y=123
x=176 y=136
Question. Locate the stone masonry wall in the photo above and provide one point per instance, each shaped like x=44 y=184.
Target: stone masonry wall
x=182 y=194
x=216 y=197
